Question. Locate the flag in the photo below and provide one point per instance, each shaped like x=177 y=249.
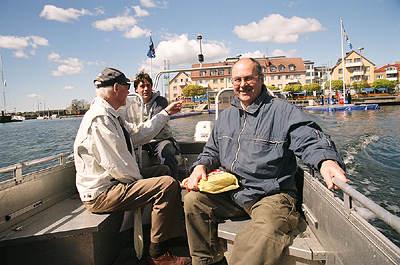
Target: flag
x=152 y=52
x=347 y=39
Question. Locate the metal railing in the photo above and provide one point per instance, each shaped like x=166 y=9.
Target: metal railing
x=17 y=168
x=350 y=193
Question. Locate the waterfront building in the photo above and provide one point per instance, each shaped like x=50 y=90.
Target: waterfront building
x=356 y=68
x=389 y=72
x=177 y=84
x=310 y=72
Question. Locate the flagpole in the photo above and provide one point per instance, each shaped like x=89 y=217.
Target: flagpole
x=343 y=64
x=151 y=61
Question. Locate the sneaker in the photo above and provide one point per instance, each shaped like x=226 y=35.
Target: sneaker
x=168 y=259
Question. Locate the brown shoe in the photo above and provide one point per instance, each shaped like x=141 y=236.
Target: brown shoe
x=168 y=259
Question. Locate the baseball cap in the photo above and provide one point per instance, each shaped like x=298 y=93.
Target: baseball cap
x=109 y=76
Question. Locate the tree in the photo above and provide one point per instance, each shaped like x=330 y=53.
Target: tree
x=383 y=83
x=193 y=90
x=273 y=87
x=336 y=85
x=360 y=84
x=77 y=106
x=312 y=87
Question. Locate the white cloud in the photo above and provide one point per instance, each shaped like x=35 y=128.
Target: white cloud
x=51 y=12
x=69 y=66
x=137 y=32
x=147 y=3
x=289 y=54
x=277 y=29
x=68 y=88
x=121 y=23
x=21 y=43
x=180 y=50
x=140 y=12
x=33 y=96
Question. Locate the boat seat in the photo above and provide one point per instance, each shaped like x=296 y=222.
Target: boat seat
x=304 y=247
x=64 y=233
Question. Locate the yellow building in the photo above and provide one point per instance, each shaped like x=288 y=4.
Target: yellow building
x=278 y=71
x=176 y=86
x=357 y=68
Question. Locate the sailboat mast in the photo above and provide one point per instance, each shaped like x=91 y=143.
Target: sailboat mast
x=3 y=84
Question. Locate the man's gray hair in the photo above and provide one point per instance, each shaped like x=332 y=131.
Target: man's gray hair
x=104 y=92
x=257 y=65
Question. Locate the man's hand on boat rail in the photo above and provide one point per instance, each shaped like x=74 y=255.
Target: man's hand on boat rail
x=199 y=172
x=174 y=107
x=330 y=169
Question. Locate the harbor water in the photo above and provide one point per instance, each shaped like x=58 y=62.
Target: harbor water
x=369 y=141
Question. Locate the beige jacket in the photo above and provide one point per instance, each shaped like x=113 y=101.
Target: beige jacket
x=100 y=152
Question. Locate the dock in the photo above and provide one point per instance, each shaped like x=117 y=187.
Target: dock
x=343 y=107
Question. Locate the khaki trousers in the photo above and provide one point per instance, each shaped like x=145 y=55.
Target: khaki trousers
x=261 y=241
x=156 y=188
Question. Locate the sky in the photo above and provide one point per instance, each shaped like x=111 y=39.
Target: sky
x=52 y=50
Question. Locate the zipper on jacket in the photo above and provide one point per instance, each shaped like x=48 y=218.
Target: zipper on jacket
x=237 y=152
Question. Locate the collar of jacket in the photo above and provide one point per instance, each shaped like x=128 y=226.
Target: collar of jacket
x=99 y=103
x=253 y=107
x=153 y=98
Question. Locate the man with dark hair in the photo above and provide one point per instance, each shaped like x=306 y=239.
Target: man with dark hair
x=163 y=145
x=257 y=139
x=107 y=175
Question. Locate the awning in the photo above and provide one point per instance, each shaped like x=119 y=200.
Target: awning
x=368 y=90
x=381 y=89
x=299 y=93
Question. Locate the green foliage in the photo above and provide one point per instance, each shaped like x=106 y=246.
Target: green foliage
x=78 y=105
x=360 y=84
x=383 y=83
x=312 y=87
x=273 y=87
x=336 y=84
x=297 y=88
x=193 y=90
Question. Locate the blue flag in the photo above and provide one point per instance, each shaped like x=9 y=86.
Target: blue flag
x=152 y=52
x=347 y=39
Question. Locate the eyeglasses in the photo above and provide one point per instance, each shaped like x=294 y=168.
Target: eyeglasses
x=236 y=81
x=127 y=85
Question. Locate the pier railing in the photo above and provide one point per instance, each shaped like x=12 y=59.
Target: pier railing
x=17 y=168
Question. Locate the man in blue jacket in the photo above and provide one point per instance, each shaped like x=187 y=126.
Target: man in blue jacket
x=256 y=139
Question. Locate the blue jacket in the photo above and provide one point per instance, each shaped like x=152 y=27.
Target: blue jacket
x=259 y=146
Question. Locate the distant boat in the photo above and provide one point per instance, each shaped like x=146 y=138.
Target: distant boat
x=4 y=118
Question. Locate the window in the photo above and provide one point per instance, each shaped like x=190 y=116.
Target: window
x=175 y=95
x=287 y=76
x=272 y=77
x=203 y=73
x=353 y=78
x=199 y=81
x=213 y=72
x=367 y=68
x=281 y=68
x=348 y=61
x=308 y=67
x=272 y=68
x=176 y=81
x=207 y=81
x=175 y=88
x=308 y=74
x=220 y=72
x=379 y=77
x=215 y=81
x=292 y=67
x=308 y=81
x=297 y=76
x=356 y=60
x=341 y=71
x=279 y=77
x=366 y=77
x=221 y=80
